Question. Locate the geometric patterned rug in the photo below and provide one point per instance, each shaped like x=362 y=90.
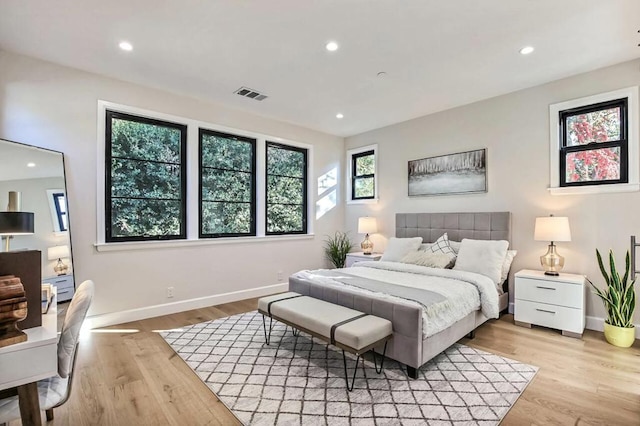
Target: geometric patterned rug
x=461 y=386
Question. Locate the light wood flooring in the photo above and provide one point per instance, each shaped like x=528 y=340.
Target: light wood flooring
x=128 y=375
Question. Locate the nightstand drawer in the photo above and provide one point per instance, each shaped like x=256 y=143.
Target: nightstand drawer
x=555 y=293
x=552 y=316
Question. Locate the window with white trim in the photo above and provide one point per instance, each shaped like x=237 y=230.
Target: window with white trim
x=362 y=183
x=594 y=143
x=164 y=177
x=145 y=186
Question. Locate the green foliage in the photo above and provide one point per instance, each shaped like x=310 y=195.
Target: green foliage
x=364 y=186
x=285 y=190
x=619 y=296
x=146 y=192
x=337 y=247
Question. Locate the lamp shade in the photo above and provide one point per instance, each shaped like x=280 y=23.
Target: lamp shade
x=367 y=225
x=552 y=228
x=16 y=223
x=58 y=252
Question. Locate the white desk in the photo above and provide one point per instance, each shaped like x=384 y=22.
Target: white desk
x=23 y=364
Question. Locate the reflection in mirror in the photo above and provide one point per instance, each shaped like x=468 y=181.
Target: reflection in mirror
x=37 y=175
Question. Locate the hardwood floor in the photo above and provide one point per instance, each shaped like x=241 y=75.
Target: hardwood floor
x=128 y=375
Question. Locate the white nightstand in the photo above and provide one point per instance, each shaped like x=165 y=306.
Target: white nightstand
x=554 y=302
x=358 y=256
x=64 y=286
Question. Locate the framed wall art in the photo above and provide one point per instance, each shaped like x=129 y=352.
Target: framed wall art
x=460 y=173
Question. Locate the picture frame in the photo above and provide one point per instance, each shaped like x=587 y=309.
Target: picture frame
x=458 y=173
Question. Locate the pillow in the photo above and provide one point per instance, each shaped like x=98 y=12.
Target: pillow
x=483 y=257
x=506 y=266
x=425 y=247
x=455 y=245
x=397 y=248
x=432 y=260
x=441 y=246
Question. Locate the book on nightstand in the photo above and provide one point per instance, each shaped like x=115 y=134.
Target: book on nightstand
x=47 y=297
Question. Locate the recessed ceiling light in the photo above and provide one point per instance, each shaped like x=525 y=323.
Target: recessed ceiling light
x=126 y=46
x=31 y=164
x=339 y=116
x=526 y=50
x=332 y=46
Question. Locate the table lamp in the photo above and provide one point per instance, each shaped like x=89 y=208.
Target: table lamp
x=552 y=228
x=59 y=252
x=367 y=225
x=14 y=222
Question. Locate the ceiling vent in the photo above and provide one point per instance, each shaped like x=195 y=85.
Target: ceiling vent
x=250 y=93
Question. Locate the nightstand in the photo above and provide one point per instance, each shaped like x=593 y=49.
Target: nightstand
x=358 y=256
x=64 y=286
x=554 y=302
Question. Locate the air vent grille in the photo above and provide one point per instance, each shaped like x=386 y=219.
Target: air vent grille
x=250 y=93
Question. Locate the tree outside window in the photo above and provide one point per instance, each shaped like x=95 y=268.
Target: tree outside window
x=286 y=208
x=146 y=178
x=227 y=185
x=594 y=146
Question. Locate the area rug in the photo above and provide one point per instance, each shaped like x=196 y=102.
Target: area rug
x=462 y=385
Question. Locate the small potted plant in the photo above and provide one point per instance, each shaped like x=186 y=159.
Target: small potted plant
x=619 y=298
x=336 y=248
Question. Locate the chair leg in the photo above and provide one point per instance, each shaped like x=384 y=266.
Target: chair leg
x=49 y=413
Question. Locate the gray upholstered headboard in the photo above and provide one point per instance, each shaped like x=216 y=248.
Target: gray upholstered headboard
x=477 y=226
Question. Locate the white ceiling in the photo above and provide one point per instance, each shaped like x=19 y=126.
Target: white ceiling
x=437 y=54
x=14 y=158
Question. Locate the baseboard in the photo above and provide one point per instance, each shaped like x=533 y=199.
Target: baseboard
x=597 y=324
x=112 y=318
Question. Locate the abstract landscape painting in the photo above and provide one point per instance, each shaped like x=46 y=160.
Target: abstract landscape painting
x=464 y=172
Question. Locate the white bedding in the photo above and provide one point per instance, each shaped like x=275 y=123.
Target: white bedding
x=464 y=292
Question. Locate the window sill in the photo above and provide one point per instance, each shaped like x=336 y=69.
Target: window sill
x=150 y=245
x=595 y=189
x=366 y=201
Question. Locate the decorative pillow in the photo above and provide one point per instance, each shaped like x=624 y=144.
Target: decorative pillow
x=506 y=266
x=432 y=260
x=441 y=245
x=397 y=248
x=455 y=245
x=484 y=257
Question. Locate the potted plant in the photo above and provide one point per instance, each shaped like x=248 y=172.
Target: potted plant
x=619 y=298
x=337 y=247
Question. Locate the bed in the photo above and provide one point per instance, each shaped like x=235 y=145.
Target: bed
x=411 y=345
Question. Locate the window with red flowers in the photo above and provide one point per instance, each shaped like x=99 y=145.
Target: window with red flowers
x=594 y=144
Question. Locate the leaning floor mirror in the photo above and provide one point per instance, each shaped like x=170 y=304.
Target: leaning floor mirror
x=33 y=211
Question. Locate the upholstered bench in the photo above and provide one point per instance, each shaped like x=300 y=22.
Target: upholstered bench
x=348 y=329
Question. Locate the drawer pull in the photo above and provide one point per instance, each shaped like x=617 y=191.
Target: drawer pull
x=545 y=288
x=544 y=310
x=64 y=292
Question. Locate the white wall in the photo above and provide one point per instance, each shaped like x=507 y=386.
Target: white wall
x=34 y=199
x=56 y=107
x=515 y=129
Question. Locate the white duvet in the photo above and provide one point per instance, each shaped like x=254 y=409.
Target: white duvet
x=464 y=292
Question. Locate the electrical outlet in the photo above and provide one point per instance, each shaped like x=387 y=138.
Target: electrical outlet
x=279 y=276
x=170 y=292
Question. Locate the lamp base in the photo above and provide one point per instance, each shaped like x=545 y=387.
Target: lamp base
x=366 y=245
x=551 y=261
x=61 y=268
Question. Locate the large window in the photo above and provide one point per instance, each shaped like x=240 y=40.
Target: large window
x=227 y=185
x=363 y=185
x=286 y=196
x=145 y=185
x=594 y=146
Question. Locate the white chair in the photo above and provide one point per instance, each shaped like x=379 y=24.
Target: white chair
x=54 y=391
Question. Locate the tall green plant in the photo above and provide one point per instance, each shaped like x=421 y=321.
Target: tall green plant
x=337 y=247
x=619 y=297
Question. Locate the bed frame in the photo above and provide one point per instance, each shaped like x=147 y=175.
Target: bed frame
x=408 y=345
